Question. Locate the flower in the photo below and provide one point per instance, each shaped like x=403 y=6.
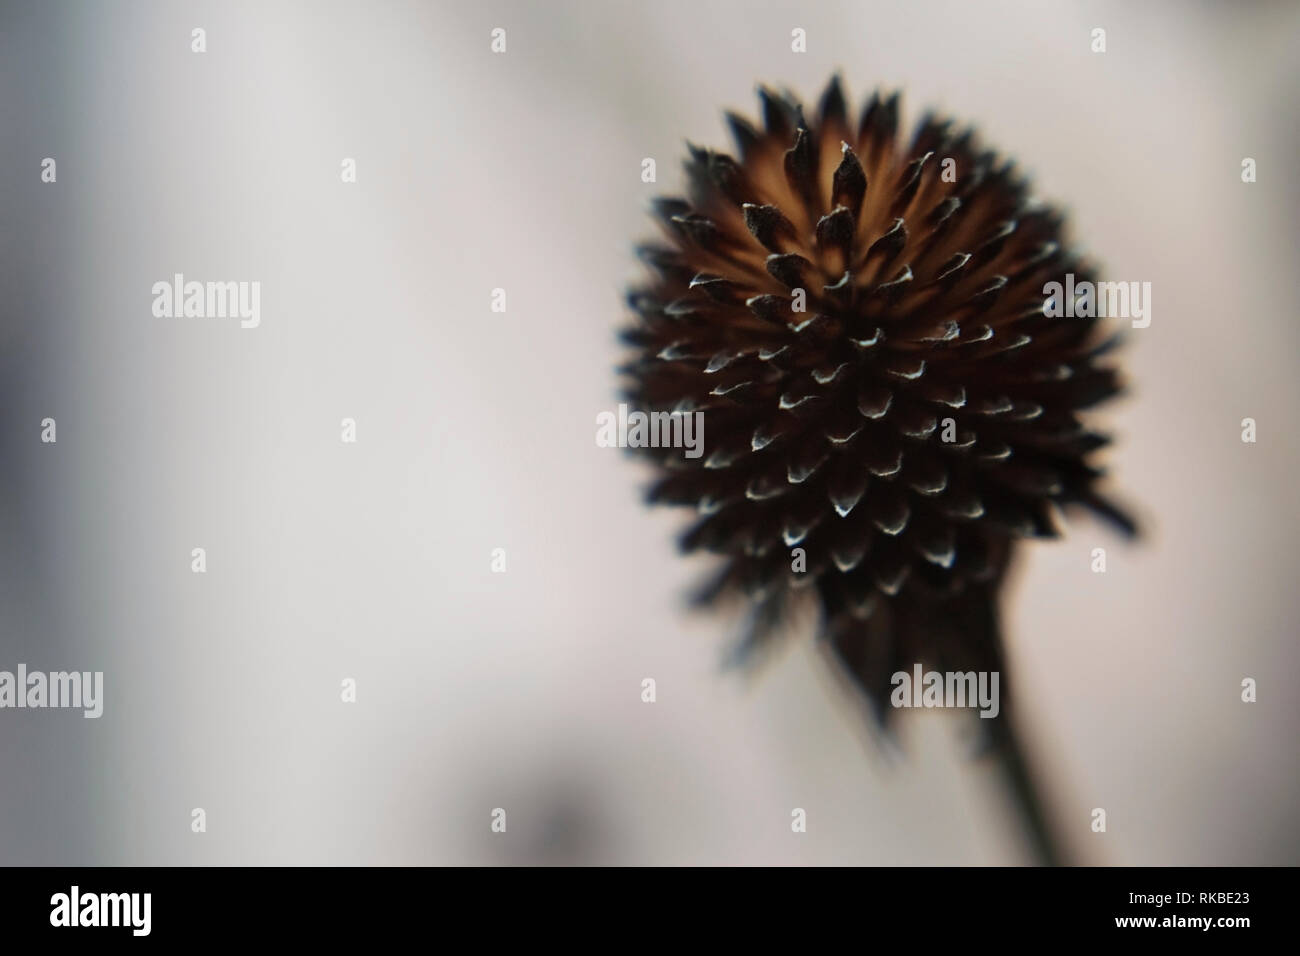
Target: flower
x=887 y=405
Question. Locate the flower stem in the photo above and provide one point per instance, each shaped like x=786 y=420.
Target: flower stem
x=1027 y=796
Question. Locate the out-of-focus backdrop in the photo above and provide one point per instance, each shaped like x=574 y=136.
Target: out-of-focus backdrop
x=371 y=561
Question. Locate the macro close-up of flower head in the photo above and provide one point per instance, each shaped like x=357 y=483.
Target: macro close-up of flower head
x=854 y=311
x=690 y=433
x=857 y=312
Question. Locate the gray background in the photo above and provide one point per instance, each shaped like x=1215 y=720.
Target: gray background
x=371 y=561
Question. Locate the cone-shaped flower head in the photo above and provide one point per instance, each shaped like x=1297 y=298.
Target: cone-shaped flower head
x=860 y=318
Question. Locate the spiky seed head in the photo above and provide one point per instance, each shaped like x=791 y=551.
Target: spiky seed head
x=859 y=316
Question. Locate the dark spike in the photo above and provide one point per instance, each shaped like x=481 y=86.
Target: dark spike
x=890 y=244
x=832 y=110
x=767 y=224
x=801 y=170
x=701 y=230
x=791 y=270
x=729 y=178
x=743 y=135
x=835 y=231
x=778 y=118
x=908 y=184
x=943 y=212
x=880 y=119
x=849 y=184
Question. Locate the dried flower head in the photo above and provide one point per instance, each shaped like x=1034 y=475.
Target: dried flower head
x=859 y=317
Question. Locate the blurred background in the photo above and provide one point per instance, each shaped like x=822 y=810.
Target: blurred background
x=475 y=430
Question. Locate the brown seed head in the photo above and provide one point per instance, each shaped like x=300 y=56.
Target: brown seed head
x=859 y=316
